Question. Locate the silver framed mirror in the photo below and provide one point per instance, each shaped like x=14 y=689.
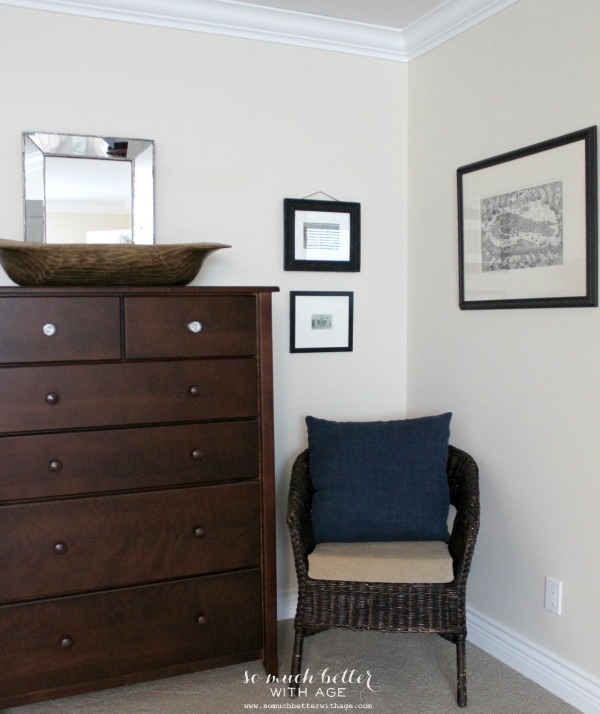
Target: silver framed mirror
x=88 y=189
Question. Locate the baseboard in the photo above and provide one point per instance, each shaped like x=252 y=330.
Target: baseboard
x=286 y=604
x=571 y=684
x=534 y=662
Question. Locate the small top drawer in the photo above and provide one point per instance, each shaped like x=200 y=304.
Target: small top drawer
x=190 y=326
x=55 y=329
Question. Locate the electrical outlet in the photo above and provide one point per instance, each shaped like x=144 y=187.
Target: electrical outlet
x=553 y=597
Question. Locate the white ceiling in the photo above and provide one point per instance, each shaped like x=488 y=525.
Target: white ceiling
x=386 y=13
x=397 y=30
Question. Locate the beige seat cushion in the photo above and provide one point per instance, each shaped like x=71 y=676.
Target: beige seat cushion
x=396 y=562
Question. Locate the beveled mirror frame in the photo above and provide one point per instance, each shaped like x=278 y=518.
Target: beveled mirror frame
x=38 y=147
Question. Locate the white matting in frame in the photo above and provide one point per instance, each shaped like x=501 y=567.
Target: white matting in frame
x=321 y=321
x=322 y=236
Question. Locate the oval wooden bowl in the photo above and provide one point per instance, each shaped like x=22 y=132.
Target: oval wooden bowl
x=64 y=264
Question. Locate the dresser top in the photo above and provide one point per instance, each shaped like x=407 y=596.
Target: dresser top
x=17 y=291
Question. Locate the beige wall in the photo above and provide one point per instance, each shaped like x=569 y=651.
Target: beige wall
x=239 y=126
x=524 y=385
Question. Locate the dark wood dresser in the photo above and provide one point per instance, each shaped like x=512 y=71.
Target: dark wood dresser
x=136 y=486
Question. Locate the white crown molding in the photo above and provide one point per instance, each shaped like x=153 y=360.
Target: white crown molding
x=447 y=21
x=255 y=22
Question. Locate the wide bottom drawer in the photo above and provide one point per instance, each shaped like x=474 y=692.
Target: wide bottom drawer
x=81 y=640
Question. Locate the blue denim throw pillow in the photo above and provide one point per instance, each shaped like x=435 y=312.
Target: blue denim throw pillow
x=381 y=480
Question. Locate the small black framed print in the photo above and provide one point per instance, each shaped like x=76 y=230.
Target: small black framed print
x=321 y=235
x=321 y=321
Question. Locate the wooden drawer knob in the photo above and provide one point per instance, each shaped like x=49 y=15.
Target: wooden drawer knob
x=202 y=620
x=55 y=466
x=197 y=454
x=199 y=532
x=194 y=390
x=60 y=548
x=52 y=398
x=66 y=643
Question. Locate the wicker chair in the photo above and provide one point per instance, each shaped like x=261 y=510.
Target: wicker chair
x=387 y=607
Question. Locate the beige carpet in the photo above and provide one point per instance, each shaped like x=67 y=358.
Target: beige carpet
x=409 y=674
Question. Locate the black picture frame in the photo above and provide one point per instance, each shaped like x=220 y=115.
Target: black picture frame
x=321 y=321
x=528 y=226
x=321 y=235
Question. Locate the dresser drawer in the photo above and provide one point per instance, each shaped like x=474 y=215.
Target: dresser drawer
x=63 y=397
x=55 y=329
x=190 y=326
x=51 y=465
x=59 y=644
x=106 y=541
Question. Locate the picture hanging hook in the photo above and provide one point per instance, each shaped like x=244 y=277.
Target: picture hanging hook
x=310 y=195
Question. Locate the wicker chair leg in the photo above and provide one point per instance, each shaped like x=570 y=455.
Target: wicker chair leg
x=297 y=660
x=461 y=671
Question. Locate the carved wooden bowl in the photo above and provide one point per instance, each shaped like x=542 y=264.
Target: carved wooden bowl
x=63 y=264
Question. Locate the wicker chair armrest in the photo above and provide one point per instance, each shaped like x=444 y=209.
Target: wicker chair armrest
x=299 y=521
x=463 y=480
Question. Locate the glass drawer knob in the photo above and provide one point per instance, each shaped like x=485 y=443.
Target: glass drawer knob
x=52 y=398
x=55 y=466
x=66 y=643
x=197 y=454
x=199 y=532
x=194 y=391
x=195 y=327
x=60 y=548
x=49 y=329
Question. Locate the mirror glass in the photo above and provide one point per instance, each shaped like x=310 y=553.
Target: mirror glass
x=88 y=189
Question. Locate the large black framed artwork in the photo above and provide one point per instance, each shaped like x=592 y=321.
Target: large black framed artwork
x=321 y=235
x=527 y=226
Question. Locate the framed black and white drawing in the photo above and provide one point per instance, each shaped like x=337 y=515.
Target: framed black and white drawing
x=321 y=321
x=527 y=226
x=321 y=235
